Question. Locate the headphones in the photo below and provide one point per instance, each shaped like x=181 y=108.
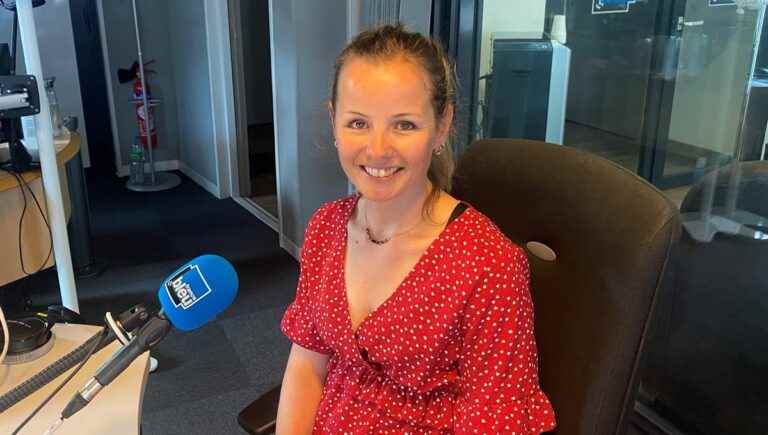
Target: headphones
x=31 y=332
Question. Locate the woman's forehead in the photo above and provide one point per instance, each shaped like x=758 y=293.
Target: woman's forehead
x=372 y=82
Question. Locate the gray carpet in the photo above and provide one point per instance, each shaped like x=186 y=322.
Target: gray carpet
x=208 y=375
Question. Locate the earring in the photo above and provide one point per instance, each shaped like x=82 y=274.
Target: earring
x=336 y=144
x=439 y=150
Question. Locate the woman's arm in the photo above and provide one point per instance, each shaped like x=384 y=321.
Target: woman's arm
x=498 y=361
x=302 y=389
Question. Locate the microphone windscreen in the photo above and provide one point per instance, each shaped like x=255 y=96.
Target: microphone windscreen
x=198 y=291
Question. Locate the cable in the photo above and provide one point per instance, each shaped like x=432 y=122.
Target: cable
x=6 y=336
x=103 y=334
x=55 y=425
x=22 y=183
x=50 y=373
x=47 y=225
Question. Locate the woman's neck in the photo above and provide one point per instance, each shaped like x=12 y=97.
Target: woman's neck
x=396 y=215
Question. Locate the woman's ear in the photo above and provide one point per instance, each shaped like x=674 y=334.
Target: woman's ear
x=446 y=122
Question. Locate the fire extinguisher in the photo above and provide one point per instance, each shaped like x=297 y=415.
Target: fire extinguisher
x=141 y=114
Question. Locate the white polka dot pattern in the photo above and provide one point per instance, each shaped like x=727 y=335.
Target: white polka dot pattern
x=451 y=351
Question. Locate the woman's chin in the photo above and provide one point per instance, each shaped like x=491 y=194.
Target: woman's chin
x=377 y=190
x=377 y=195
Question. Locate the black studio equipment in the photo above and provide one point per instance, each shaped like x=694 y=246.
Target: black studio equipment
x=527 y=87
x=18 y=97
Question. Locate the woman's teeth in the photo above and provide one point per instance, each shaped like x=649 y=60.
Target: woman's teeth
x=380 y=172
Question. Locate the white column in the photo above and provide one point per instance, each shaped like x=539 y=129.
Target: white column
x=50 y=169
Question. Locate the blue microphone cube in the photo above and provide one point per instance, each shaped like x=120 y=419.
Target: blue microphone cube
x=198 y=291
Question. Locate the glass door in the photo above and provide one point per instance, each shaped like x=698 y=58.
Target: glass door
x=711 y=46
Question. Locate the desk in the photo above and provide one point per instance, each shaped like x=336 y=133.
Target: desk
x=35 y=238
x=115 y=411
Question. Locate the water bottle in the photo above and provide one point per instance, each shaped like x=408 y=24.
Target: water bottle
x=53 y=103
x=136 y=163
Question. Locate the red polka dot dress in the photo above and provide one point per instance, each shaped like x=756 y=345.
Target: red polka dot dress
x=451 y=351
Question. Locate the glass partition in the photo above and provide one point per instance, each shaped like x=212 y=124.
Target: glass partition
x=676 y=91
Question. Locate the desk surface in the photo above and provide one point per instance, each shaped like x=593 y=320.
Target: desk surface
x=67 y=147
x=116 y=410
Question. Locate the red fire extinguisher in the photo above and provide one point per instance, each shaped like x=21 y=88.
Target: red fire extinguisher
x=141 y=114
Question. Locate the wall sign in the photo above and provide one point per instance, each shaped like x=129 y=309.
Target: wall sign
x=611 y=6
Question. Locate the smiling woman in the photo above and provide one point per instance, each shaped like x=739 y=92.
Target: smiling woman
x=413 y=312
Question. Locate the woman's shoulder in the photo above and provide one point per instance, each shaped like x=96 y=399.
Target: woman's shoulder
x=332 y=214
x=488 y=241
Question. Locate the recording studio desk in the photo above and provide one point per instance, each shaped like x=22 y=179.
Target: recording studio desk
x=116 y=410
x=35 y=237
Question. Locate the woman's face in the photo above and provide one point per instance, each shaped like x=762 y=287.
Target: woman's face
x=385 y=127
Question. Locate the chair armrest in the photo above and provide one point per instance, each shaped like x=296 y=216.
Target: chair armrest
x=260 y=416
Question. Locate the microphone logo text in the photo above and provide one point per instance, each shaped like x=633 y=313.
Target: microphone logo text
x=187 y=287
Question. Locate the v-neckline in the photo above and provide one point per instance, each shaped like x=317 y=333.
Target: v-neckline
x=344 y=245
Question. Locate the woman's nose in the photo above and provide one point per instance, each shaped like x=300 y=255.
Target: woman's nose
x=378 y=146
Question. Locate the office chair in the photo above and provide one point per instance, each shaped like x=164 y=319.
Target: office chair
x=611 y=233
x=706 y=364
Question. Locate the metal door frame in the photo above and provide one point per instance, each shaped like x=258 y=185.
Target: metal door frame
x=660 y=96
x=456 y=23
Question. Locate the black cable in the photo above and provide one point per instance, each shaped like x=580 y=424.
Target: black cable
x=47 y=225
x=53 y=371
x=22 y=184
x=103 y=334
x=21 y=220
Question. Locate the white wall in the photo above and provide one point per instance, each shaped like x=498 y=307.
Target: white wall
x=189 y=60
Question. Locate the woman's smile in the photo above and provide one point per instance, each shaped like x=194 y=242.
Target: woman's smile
x=381 y=173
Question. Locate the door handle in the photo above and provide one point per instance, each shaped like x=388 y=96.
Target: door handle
x=681 y=23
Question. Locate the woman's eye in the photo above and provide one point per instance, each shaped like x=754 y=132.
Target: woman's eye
x=357 y=124
x=406 y=125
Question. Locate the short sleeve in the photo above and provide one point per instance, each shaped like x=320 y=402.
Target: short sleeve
x=498 y=367
x=299 y=323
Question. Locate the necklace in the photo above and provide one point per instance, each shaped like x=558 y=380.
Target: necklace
x=380 y=242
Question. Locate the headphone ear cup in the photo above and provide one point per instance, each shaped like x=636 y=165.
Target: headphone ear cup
x=28 y=333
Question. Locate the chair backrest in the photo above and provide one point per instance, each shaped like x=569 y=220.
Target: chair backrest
x=612 y=233
x=713 y=322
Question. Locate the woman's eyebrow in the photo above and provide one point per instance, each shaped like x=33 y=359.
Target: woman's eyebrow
x=352 y=112
x=405 y=114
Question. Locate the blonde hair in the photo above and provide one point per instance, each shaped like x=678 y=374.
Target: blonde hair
x=392 y=41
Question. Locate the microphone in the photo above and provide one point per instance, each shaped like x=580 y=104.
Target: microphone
x=190 y=297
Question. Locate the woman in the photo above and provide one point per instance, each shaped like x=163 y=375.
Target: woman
x=412 y=313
